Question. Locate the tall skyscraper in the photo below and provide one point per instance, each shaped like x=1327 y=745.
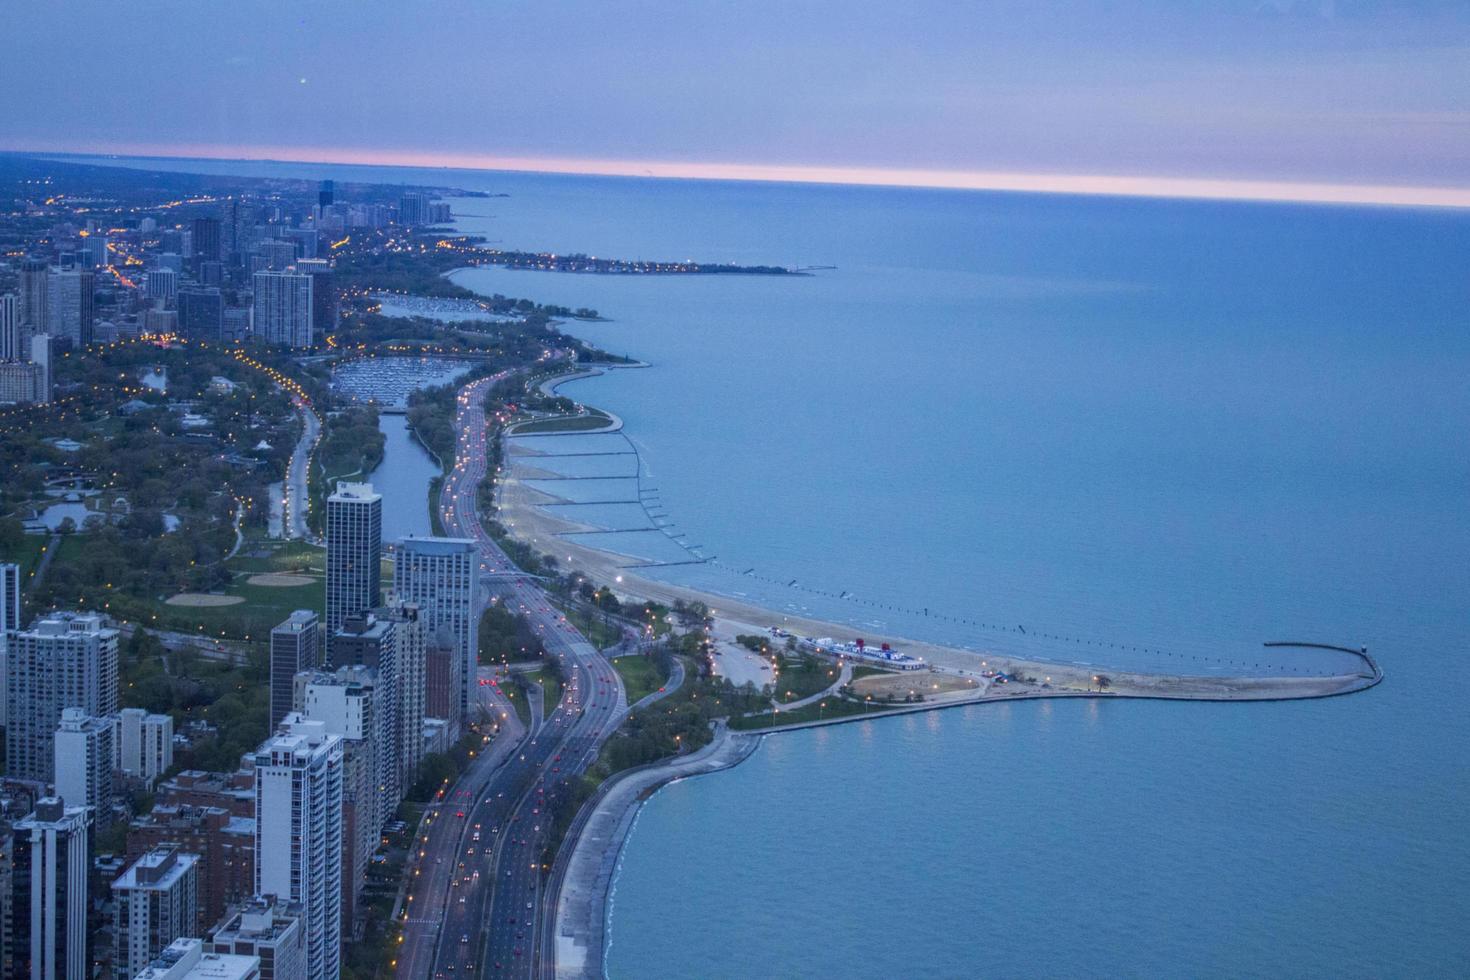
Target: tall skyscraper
x=155 y=901
x=9 y=620
x=276 y=254
x=364 y=641
x=410 y=636
x=83 y=763
x=35 y=292
x=412 y=209
x=99 y=256
x=354 y=544
x=298 y=834
x=50 y=901
x=324 y=194
x=326 y=304
x=283 y=311
x=295 y=646
x=143 y=744
x=10 y=348
x=272 y=932
x=207 y=241
x=201 y=313
x=347 y=703
x=70 y=311
x=65 y=660
x=41 y=360
x=442 y=577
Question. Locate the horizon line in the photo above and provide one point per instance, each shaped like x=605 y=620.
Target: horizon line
x=1098 y=185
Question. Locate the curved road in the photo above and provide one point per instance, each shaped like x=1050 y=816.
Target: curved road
x=493 y=909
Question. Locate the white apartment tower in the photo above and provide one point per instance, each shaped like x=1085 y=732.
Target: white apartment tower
x=155 y=901
x=83 y=763
x=442 y=577
x=65 y=660
x=298 y=834
x=283 y=308
x=143 y=744
x=50 y=881
x=354 y=542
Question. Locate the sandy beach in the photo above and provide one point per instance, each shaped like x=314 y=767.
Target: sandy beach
x=521 y=511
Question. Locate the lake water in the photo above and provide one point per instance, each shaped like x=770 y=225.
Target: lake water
x=1175 y=426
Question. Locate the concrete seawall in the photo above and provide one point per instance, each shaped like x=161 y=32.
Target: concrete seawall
x=584 y=880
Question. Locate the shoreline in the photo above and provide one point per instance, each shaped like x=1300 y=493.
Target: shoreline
x=520 y=509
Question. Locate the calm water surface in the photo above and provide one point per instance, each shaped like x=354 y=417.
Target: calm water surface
x=1183 y=426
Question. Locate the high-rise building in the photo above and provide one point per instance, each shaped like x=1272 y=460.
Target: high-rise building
x=49 y=905
x=95 y=247
x=83 y=763
x=283 y=308
x=412 y=209
x=236 y=324
x=41 y=358
x=410 y=636
x=186 y=959
x=442 y=681
x=224 y=842
x=201 y=313
x=10 y=348
x=271 y=931
x=326 y=304
x=9 y=620
x=70 y=310
x=295 y=646
x=305 y=240
x=23 y=382
x=155 y=901
x=35 y=292
x=207 y=239
x=324 y=194
x=442 y=577
x=65 y=660
x=161 y=284
x=298 y=834
x=144 y=744
x=354 y=544
x=170 y=260
x=276 y=255
x=346 y=702
x=368 y=642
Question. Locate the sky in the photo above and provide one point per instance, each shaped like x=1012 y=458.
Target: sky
x=1279 y=93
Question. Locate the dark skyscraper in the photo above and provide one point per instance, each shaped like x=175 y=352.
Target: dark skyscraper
x=206 y=239
x=201 y=313
x=324 y=196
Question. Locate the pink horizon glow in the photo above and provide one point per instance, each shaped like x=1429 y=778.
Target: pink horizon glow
x=1223 y=189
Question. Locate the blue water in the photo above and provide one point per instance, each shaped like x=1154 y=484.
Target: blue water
x=1187 y=427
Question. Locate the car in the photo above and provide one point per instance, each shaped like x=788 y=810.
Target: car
x=529 y=904
x=464 y=938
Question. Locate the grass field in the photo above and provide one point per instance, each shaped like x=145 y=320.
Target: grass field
x=641 y=676
x=27 y=554
x=264 y=605
x=579 y=423
x=833 y=707
x=802 y=677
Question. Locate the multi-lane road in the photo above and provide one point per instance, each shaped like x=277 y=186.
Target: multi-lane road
x=483 y=916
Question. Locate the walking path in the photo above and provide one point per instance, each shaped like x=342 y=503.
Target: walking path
x=581 y=908
x=842 y=679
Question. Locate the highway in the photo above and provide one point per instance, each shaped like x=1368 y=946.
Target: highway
x=492 y=913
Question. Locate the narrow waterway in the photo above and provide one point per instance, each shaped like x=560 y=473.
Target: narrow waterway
x=403 y=480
